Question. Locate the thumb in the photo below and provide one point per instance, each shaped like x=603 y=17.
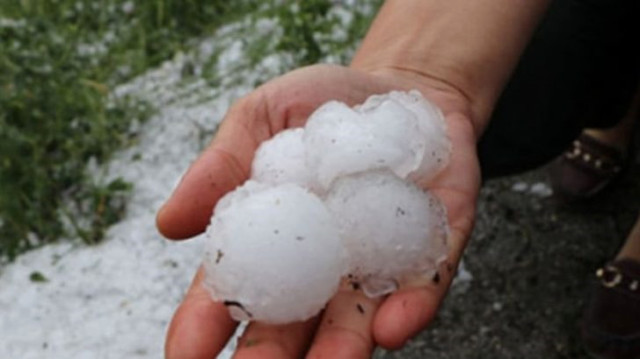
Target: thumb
x=224 y=165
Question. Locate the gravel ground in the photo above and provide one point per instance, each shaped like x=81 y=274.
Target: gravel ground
x=532 y=260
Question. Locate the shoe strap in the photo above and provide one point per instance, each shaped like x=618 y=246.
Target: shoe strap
x=591 y=154
x=622 y=275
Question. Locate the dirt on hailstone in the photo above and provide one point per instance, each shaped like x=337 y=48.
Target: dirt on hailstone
x=533 y=261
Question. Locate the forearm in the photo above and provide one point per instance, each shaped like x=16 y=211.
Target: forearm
x=470 y=46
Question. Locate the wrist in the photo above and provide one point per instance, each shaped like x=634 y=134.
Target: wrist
x=461 y=47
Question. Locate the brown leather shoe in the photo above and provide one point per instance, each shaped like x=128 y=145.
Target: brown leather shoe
x=611 y=326
x=585 y=169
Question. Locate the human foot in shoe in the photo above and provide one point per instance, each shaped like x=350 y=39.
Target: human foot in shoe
x=594 y=159
x=611 y=327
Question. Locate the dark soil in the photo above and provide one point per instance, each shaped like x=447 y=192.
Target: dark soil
x=532 y=260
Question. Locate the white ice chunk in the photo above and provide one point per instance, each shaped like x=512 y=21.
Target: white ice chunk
x=273 y=254
x=519 y=187
x=392 y=229
x=282 y=160
x=374 y=286
x=239 y=194
x=400 y=131
x=340 y=141
x=541 y=189
x=436 y=147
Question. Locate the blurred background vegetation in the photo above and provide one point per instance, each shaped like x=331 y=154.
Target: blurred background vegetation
x=59 y=60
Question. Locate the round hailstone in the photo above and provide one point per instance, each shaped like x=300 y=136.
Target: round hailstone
x=282 y=160
x=434 y=143
x=273 y=254
x=393 y=230
x=341 y=141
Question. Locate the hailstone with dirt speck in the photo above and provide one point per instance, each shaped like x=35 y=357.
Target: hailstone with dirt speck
x=399 y=131
x=392 y=229
x=273 y=253
x=435 y=147
x=342 y=141
x=337 y=197
x=282 y=159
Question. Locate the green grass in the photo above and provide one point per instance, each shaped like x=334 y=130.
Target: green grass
x=58 y=62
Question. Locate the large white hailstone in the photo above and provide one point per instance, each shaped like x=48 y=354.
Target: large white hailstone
x=436 y=147
x=282 y=160
x=399 y=131
x=393 y=231
x=273 y=253
x=341 y=141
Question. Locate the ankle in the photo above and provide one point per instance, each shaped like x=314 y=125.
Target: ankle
x=631 y=248
x=613 y=137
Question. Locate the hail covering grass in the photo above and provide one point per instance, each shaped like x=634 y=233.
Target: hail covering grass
x=115 y=299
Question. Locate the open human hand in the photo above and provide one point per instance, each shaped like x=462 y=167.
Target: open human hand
x=352 y=324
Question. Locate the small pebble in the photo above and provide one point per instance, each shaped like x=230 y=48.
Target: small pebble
x=519 y=187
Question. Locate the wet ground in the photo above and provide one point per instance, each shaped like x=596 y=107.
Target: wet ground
x=532 y=261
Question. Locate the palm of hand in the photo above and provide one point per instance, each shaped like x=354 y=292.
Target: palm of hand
x=352 y=324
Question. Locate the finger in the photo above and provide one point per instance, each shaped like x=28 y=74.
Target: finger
x=276 y=341
x=200 y=328
x=409 y=310
x=345 y=330
x=224 y=165
x=404 y=314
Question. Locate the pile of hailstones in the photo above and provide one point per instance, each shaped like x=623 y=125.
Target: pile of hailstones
x=335 y=199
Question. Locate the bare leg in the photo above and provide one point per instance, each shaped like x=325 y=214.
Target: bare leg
x=631 y=248
x=620 y=135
